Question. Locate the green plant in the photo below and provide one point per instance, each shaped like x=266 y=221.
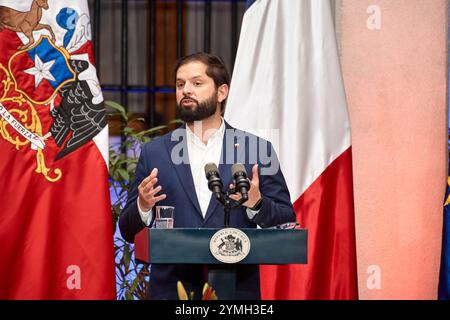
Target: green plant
x=132 y=278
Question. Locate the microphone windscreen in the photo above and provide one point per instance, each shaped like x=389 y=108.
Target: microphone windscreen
x=238 y=167
x=210 y=167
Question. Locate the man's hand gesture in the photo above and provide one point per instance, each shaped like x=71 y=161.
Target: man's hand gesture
x=147 y=192
x=253 y=194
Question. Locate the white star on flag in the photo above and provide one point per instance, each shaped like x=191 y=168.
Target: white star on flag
x=41 y=71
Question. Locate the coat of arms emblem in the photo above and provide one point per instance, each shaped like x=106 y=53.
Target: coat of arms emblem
x=50 y=97
x=230 y=245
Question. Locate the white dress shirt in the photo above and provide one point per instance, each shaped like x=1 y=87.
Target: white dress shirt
x=199 y=155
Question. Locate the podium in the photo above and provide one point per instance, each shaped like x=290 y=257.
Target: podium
x=192 y=246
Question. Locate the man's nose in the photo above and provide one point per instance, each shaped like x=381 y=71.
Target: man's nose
x=187 y=89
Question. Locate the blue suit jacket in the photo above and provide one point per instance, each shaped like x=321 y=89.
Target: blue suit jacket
x=177 y=183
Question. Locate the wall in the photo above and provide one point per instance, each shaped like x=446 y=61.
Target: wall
x=394 y=60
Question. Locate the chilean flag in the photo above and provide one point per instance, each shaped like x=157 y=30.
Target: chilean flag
x=287 y=87
x=40 y=71
x=56 y=230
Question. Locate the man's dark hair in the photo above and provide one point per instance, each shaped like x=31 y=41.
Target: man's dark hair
x=216 y=70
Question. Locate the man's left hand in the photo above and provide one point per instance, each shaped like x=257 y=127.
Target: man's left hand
x=253 y=194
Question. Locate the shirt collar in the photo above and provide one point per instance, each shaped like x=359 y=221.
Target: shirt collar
x=217 y=135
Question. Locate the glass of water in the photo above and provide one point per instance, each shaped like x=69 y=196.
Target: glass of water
x=164 y=217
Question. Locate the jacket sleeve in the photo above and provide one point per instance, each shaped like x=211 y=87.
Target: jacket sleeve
x=130 y=222
x=276 y=205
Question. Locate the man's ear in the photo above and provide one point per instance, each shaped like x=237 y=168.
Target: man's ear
x=222 y=92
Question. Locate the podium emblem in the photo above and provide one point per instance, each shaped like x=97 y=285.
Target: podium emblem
x=229 y=245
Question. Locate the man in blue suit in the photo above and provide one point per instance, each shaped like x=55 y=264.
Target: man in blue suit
x=170 y=172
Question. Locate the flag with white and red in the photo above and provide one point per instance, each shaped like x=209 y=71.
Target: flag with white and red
x=287 y=80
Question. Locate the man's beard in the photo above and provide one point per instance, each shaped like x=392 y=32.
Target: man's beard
x=200 y=111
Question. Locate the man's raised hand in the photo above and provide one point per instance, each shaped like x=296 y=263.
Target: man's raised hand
x=148 y=192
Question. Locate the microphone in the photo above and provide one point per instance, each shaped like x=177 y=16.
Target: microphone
x=241 y=182
x=215 y=184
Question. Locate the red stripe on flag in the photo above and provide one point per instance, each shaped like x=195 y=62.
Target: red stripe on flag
x=326 y=209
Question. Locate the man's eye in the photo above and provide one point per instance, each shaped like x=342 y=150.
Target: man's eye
x=197 y=83
x=180 y=85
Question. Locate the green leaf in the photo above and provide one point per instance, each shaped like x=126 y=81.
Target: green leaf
x=124 y=174
x=135 y=284
x=126 y=257
x=128 y=131
x=152 y=130
x=176 y=121
x=128 y=295
x=113 y=173
x=119 y=108
x=146 y=139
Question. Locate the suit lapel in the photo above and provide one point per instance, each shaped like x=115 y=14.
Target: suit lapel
x=183 y=169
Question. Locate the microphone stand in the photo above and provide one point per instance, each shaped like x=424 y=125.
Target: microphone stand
x=225 y=200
